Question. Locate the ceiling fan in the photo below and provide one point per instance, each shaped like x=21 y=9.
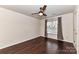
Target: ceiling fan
x=42 y=11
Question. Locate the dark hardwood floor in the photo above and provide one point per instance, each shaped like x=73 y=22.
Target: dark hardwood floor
x=40 y=46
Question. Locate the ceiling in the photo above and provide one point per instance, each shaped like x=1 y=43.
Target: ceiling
x=51 y=10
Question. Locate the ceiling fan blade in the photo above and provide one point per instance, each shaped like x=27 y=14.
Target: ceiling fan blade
x=34 y=13
x=44 y=7
x=44 y=14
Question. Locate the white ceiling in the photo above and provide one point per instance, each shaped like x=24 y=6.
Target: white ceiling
x=51 y=10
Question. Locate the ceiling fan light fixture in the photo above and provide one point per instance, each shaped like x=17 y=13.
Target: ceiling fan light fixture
x=40 y=14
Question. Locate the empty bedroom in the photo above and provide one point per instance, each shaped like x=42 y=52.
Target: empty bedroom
x=38 y=29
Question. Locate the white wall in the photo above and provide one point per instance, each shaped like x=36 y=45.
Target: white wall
x=16 y=28
x=75 y=27
x=78 y=29
x=67 y=27
x=42 y=27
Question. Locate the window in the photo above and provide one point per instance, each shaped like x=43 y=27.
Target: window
x=52 y=27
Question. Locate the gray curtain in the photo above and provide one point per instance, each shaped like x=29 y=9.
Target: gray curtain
x=45 y=28
x=59 y=30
